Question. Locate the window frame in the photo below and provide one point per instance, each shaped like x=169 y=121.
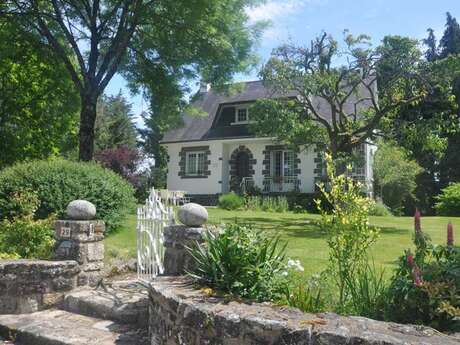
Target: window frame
x=237 y=121
x=282 y=167
x=197 y=163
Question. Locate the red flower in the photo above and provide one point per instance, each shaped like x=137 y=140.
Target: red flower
x=450 y=234
x=417 y=225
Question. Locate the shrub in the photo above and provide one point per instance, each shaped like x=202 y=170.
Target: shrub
x=426 y=285
x=24 y=237
x=267 y=203
x=241 y=261
x=449 y=201
x=349 y=235
x=379 y=209
x=58 y=182
x=231 y=201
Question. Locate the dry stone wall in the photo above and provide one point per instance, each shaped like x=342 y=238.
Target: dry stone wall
x=28 y=286
x=180 y=314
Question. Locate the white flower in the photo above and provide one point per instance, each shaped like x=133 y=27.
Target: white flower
x=284 y=273
x=295 y=264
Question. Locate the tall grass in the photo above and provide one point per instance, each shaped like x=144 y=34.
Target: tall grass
x=267 y=203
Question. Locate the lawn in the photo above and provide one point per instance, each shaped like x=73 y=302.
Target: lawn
x=305 y=241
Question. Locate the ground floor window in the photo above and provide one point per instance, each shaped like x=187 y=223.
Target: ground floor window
x=283 y=164
x=195 y=163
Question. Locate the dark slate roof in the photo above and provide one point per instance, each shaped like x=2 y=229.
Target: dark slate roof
x=198 y=128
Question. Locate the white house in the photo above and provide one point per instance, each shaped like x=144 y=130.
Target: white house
x=216 y=153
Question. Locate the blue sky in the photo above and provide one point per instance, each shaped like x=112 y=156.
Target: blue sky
x=301 y=20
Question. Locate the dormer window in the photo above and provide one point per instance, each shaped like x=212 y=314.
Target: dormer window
x=241 y=115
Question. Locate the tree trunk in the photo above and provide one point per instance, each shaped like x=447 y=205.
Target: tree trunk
x=87 y=122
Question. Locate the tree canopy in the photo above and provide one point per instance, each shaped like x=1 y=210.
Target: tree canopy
x=158 y=43
x=38 y=103
x=337 y=104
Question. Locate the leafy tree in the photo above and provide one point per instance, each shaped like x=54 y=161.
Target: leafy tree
x=38 y=104
x=180 y=39
x=336 y=105
x=395 y=175
x=114 y=126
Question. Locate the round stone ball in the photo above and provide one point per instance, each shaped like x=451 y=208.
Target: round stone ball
x=81 y=210
x=193 y=215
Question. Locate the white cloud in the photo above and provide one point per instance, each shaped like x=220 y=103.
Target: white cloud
x=275 y=9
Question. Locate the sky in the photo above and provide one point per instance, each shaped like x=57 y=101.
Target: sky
x=299 y=21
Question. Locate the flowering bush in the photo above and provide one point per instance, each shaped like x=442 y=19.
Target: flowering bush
x=425 y=288
x=349 y=234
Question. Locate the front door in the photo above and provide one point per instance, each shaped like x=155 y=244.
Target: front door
x=242 y=165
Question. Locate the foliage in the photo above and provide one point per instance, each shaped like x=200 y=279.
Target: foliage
x=395 y=175
x=231 y=201
x=38 y=104
x=318 y=75
x=242 y=262
x=114 y=126
x=378 y=208
x=349 y=235
x=58 y=182
x=24 y=237
x=159 y=44
x=305 y=294
x=425 y=286
x=448 y=202
x=266 y=203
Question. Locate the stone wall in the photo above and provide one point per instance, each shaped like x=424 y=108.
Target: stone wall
x=180 y=314
x=176 y=237
x=27 y=286
x=82 y=241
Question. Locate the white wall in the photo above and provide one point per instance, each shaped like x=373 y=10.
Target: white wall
x=220 y=168
x=209 y=185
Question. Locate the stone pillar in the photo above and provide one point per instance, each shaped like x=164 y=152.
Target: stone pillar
x=81 y=240
x=177 y=237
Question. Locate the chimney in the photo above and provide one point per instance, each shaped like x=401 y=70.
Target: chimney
x=204 y=87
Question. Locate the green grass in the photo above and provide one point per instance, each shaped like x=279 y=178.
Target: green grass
x=305 y=241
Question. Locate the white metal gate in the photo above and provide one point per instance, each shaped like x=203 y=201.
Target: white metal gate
x=151 y=220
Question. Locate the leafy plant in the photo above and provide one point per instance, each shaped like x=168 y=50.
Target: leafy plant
x=242 y=262
x=267 y=203
x=379 y=209
x=449 y=201
x=24 y=237
x=231 y=201
x=349 y=235
x=425 y=288
x=58 y=182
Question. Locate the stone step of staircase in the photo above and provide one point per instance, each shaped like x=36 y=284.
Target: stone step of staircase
x=121 y=301
x=60 y=327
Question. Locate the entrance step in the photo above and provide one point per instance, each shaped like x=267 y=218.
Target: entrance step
x=121 y=301
x=60 y=327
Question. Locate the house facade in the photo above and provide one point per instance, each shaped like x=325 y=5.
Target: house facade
x=216 y=153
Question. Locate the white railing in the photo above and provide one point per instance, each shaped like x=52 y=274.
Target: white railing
x=246 y=184
x=280 y=184
x=151 y=220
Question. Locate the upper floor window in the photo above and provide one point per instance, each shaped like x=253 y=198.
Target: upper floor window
x=241 y=115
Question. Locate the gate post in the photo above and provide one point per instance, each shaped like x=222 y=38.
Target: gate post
x=80 y=238
x=177 y=260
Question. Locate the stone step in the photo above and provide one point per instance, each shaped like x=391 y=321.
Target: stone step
x=59 y=327
x=121 y=301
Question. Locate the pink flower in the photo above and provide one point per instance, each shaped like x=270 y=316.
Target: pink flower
x=417 y=276
x=450 y=234
x=417 y=225
x=410 y=260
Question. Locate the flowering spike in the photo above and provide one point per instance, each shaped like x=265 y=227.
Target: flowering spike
x=417 y=224
x=410 y=260
x=417 y=276
x=450 y=234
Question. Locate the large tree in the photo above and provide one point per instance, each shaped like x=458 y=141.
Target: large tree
x=38 y=103
x=96 y=38
x=337 y=103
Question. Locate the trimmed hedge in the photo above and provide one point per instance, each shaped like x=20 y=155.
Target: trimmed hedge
x=57 y=182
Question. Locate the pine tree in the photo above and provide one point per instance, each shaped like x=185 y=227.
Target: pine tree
x=450 y=41
x=431 y=52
